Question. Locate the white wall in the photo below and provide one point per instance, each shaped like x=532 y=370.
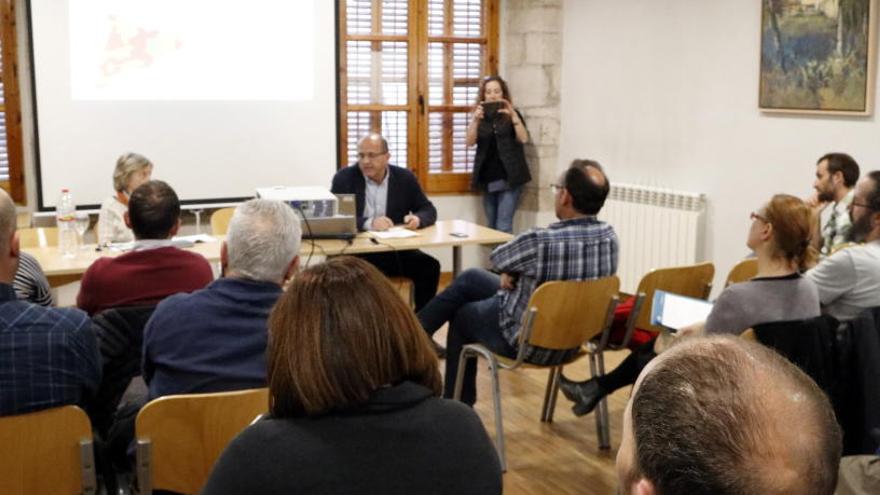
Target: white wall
x=666 y=93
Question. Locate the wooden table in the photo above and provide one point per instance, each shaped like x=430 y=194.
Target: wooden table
x=60 y=270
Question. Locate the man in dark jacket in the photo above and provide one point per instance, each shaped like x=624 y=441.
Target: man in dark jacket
x=388 y=196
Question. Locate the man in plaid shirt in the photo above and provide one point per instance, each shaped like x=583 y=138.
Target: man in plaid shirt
x=48 y=356
x=487 y=308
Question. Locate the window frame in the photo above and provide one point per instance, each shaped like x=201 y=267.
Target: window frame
x=418 y=107
x=11 y=106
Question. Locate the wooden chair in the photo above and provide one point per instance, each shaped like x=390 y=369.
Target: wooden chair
x=561 y=316
x=23 y=219
x=743 y=271
x=179 y=437
x=47 y=451
x=220 y=220
x=405 y=288
x=689 y=280
x=38 y=237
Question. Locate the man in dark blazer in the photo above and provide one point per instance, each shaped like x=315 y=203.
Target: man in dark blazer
x=388 y=196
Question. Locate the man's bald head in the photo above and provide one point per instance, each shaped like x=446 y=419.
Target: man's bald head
x=722 y=415
x=375 y=138
x=585 y=181
x=7 y=221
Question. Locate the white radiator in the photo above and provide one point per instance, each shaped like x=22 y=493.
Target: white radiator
x=656 y=227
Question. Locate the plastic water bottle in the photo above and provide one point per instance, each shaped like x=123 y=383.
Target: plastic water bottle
x=64 y=217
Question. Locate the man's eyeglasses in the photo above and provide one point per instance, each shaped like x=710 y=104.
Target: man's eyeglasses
x=556 y=187
x=863 y=205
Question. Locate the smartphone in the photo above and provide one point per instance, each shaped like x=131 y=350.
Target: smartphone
x=458 y=234
x=490 y=109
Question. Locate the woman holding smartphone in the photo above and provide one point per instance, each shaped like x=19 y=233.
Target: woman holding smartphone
x=500 y=168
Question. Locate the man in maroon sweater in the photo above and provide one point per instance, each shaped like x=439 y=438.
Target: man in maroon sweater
x=153 y=269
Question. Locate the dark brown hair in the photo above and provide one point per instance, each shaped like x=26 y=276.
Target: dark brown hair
x=505 y=92
x=792 y=222
x=153 y=210
x=338 y=334
x=843 y=163
x=873 y=199
x=587 y=195
x=721 y=415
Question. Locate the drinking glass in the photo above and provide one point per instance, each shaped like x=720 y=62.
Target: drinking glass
x=81 y=223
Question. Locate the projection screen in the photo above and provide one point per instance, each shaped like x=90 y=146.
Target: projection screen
x=222 y=96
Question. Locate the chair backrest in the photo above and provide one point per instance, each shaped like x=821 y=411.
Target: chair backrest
x=47 y=451
x=570 y=313
x=220 y=220
x=38 y=237
x=120 y=333
x=690 y=280
x=179 y=437
x=742 y=271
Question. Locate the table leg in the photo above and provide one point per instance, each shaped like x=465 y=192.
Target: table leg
x=456 y=261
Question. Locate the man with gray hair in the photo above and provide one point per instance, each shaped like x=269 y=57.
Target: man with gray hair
x=214 y=339
x=48 y=356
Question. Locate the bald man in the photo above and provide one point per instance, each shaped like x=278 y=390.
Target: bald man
x=48 y=356
x=487 y=308
x=386 y=196
x=721 y=415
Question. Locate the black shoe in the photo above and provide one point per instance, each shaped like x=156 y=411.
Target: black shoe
x=439 y=349
x=585 y=395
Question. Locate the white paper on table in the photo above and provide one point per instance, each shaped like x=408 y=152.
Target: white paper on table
x=394 y=233
x=675 y=311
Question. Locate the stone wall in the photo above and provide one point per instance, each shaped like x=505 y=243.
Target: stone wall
x=531 y=61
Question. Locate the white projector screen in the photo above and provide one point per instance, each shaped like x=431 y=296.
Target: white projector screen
x=222 y=96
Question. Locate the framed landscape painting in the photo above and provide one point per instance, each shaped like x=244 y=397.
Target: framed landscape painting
x=817 y=56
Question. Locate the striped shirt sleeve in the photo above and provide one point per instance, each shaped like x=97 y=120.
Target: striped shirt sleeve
x=30 y=282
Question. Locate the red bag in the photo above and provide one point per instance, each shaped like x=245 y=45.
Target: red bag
x=618 y=326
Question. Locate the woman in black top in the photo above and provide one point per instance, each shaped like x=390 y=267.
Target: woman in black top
x=354 y=400
x=500 y=168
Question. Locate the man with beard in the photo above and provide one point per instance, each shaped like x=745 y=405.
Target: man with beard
x=849 y=280
x=836 y=174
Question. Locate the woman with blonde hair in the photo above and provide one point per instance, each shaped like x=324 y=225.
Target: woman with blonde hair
x=354 y=400
x=131 y=171
x=780 y=238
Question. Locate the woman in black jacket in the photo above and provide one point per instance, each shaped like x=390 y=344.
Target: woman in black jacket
x=500 y=168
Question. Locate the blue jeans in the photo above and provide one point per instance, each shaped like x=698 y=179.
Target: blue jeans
x=500 y=207
x=472 y=307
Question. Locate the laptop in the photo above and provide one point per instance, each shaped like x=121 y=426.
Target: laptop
x=342 y=225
